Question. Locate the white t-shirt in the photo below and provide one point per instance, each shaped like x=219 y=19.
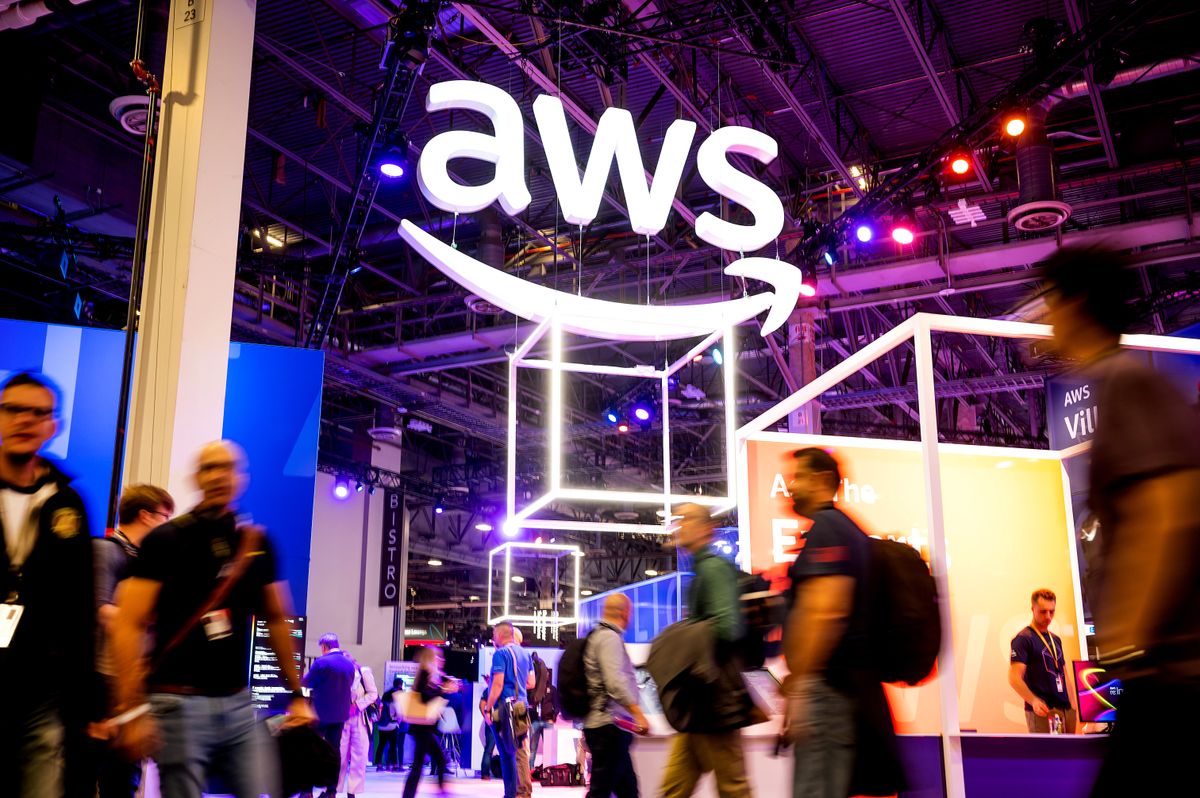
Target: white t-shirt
x=19 y=531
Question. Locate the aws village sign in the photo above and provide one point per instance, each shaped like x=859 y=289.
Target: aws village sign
x=648 y=200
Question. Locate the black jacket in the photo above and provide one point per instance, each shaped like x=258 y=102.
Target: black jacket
x=54 y=645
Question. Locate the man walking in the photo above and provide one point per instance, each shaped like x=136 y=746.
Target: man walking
x=141 y=510
x=825 y=638
x=331 y=680
x=356 y=734
x=1038 y=669
x=47 y=620
x=713 y=595
x=202 y=577
x=613 y=691
x=1144 y=487
x=510 y=674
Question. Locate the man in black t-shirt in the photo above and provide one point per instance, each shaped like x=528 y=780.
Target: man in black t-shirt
x=196 y=682
x=1145 y=490
x=1039 y=669
x=825 y=634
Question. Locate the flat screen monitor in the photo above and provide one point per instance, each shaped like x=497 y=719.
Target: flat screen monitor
x=1099 y=694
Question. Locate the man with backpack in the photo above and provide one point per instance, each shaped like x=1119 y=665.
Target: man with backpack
x=506 y=709
x=613 y=703
x=714 y=597
x=831 y=687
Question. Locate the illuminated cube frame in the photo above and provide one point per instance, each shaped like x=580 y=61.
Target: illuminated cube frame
x=919 y=329
x=507 y=549
x=524 y=518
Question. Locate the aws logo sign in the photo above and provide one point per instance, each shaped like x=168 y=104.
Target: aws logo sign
x=648 y=198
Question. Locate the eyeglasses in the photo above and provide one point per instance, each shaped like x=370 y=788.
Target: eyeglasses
x=160 y=514
x=39 y=413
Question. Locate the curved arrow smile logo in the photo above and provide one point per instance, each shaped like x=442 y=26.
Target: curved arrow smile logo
x=616 y=320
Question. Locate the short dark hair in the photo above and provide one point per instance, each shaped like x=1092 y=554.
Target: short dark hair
x=821 y=462
x=1044 y=594
x=36 y=380
x=1099 y=277
x=329 y=640
x=136 y=498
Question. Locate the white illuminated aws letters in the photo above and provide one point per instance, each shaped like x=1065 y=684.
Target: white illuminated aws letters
x=649 y=200
x=740 y=187
x=615 y=137
x=506 y=149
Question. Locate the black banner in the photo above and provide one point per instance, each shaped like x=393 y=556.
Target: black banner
x=389 y=552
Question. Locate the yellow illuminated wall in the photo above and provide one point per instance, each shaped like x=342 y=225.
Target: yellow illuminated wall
x=1007 y=533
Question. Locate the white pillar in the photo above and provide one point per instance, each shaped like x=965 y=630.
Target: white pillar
x=802 y=362
x=178 y=398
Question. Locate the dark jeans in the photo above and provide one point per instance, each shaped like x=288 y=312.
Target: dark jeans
x=332 y=734
x=489 y=750
x=426 y=743
x=1148 y=752
x=389 y=753
x=31 y=742
x=93 y=768
x=612 y=766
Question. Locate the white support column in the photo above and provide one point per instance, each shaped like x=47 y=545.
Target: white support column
x=802 y=362
x=178 y=398
x=947 y=672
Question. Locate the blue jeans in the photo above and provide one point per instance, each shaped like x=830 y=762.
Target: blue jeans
x=489 y=748
x=31 y=749
x=202 y=734
x=535 y=739
x=825 y=758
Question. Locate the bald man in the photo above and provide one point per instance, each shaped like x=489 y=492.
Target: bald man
x=195 y=684
x=613 y=689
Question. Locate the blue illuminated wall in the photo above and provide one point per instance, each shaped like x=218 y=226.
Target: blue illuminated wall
x=272 y=408
x=657 y=603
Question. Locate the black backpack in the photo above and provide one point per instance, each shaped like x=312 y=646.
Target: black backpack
x=574 y=698
x=905 y=625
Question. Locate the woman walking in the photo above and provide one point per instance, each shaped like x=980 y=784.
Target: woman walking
x=429 y=688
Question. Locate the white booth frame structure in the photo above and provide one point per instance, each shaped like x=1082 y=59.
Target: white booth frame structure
x=523 y=518
x=556 y=550
x=920 y=329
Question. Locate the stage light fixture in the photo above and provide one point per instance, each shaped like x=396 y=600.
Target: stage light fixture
x=393 y=160
x=698 y=358
x=717 y=357
x=807 y=289
x=642 y=413
x=960 y=164
x=651 y=572
x=864 y=233
x=611 y=417
x=341 y=490
x=483 y=526
x=519 y=579
x=371 y=490
x=585 y=592
x=622 y=427
x=438 y=509
x=359 y=487
x=904 y=226
x=435 y=563
x=1014 y=126
x=510 y=528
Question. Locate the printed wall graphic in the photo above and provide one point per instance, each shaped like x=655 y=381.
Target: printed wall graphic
x=1008 y=532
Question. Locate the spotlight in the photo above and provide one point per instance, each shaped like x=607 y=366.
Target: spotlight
x=698 y=358
x=717 y=357
x=622 y=427
x=864 y=233
x=483 y=526
x=807 y=289
x=393 y=160
x=904 y=227
x=435 y=563
x=371 y=490
x=960 y=164
x=359 y=487
x=1014 y=126
x=651 y=572
x=829 y=257
x=641 y=413
x=510 y=528
x=341 y=490
x=438 y=509
x=538 y=540
x=518 y=579
x=611 y=417
x=585 y=592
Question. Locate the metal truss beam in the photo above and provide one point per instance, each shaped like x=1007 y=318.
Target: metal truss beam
x=953 y=389
x=1075 y=19
x=917 y=44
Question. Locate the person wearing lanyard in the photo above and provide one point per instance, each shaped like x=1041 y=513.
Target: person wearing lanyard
x=1038 y=669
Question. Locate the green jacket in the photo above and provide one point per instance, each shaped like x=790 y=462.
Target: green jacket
x=714 y=594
